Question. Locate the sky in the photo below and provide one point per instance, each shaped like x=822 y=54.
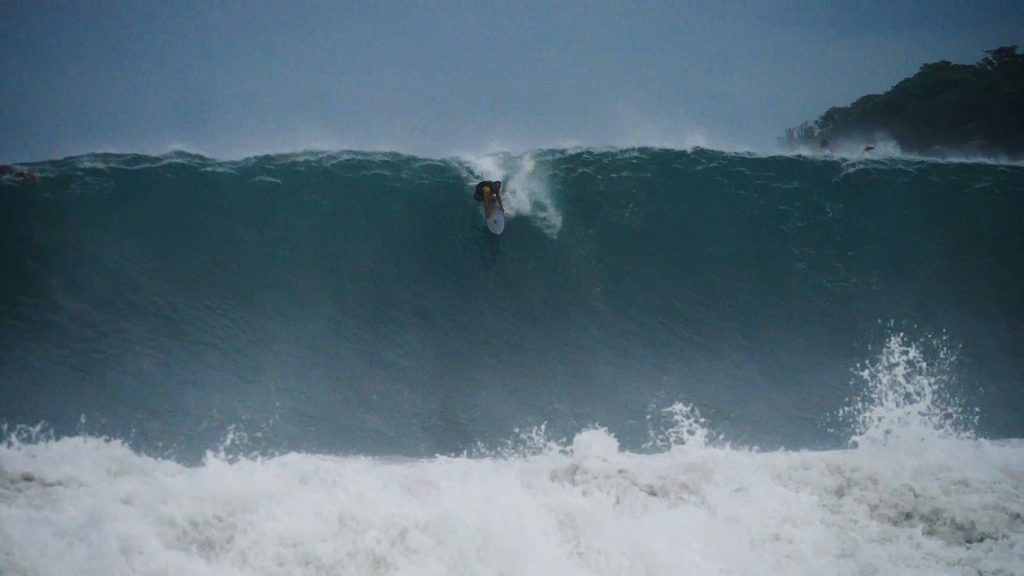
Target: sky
x=232 y=79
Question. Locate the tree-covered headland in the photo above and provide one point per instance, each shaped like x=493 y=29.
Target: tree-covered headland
x=944 y=109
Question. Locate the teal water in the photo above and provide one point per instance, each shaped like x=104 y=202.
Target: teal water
x=353 y=303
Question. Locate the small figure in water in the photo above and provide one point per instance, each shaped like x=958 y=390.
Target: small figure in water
x=488 y=190
x=868 y=149
x=825 y=148
x=18 y=173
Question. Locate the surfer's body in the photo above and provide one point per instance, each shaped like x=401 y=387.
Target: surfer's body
x=489 y=192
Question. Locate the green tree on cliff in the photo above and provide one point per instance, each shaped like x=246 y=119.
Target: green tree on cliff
x=943 y=108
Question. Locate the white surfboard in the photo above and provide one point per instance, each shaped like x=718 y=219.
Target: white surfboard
x=495 y=218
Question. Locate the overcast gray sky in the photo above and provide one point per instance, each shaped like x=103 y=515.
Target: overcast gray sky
x=230 y=79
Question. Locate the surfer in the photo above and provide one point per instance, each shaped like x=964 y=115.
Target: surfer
x=19 y=173
x=487 y=190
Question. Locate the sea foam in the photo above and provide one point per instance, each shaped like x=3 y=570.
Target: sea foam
x=938 y=503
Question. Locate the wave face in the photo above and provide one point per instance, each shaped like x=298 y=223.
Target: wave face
x=353 y=303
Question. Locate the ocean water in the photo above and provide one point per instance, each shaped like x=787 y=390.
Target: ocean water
x=671 y=362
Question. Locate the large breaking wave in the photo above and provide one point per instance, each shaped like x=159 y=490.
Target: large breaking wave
x=353 y=303
x=248 y=367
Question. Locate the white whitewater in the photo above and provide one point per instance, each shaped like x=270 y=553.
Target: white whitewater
x=917 y=495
